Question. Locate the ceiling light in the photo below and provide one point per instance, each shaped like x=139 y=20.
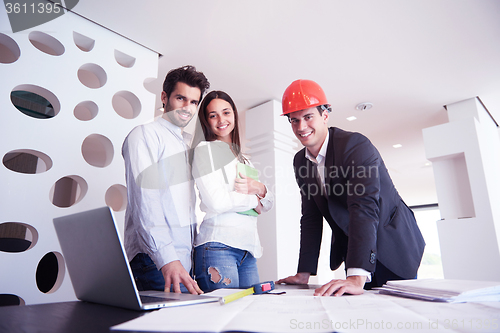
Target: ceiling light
x=397 y=145
x=351 y=118
x=364 y=106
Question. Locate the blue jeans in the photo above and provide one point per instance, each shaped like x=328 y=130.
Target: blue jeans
x=217 y=265
x=147 y=276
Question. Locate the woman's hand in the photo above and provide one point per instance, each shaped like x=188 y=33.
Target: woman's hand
x=259 y=208
x=247 y=185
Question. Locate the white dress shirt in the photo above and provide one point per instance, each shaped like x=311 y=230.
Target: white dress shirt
x=319 y=161
x=214 y=170
x=160 y=218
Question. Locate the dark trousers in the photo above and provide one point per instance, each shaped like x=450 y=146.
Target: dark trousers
x=381 y=276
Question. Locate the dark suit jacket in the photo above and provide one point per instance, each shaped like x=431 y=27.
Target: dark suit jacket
x=369 y=220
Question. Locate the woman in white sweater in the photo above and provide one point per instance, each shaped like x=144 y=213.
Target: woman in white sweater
x=227 y=245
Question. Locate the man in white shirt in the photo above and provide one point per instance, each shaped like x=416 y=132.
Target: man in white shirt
x=160 y=222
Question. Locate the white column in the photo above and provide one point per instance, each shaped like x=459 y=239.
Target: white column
x=272 y=145
x=465 y=154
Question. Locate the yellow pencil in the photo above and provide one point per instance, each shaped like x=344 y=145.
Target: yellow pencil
x=235 y=296
x=260 y=288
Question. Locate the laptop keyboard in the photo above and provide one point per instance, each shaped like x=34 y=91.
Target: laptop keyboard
x=154 y=299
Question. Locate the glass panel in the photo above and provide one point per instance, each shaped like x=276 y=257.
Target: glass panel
x=32 y=104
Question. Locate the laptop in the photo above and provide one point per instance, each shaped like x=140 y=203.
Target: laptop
x=99 y=269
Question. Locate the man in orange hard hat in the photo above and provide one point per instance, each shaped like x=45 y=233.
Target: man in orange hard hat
x=343 y=179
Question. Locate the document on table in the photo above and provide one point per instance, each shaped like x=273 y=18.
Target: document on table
x=280 y=313
x=444 y=290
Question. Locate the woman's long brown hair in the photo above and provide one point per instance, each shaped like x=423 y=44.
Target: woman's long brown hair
x=207 y=130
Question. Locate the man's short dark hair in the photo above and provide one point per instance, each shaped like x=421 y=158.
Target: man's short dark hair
x=320 y=108
x=187 y=75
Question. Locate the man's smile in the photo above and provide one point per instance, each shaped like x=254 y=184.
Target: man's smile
x=184 y=114
x=305 y=135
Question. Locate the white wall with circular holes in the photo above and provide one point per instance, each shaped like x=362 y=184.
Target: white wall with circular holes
x=70 y=92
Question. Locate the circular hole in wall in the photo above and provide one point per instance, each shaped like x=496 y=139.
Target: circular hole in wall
x=9 y=299
x=17 y=237
x=68 y=191
x=149 y=84
x=83 y=42
x=92 y=76
x=9 y=50
x=97 y=150
x=86 y=111
x=46 y=43
x=50 y=272
x=126 y=104
x=27 y=161
x=35 y=101
x=116 y=197
x=124 y=59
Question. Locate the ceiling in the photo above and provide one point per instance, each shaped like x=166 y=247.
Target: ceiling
x=409 y=58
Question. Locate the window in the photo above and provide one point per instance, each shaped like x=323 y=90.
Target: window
x=431 y=265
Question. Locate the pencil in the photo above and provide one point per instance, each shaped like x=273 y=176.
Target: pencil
x=259 y=288
x=236 y=295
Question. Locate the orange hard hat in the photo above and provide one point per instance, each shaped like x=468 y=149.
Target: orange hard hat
x=302 y=94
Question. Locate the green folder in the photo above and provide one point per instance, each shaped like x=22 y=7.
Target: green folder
x=248 y=171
